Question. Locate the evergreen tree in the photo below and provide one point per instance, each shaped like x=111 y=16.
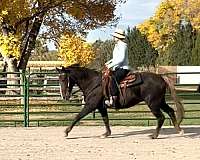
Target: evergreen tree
x=180 y=50
x=195 y=58
x=141 y=52
x=103 y=51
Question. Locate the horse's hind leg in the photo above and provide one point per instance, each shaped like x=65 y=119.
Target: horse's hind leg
x=160 y=120
x=170 y=111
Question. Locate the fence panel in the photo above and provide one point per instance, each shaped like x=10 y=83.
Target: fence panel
x=13 y=107
x=38 y=103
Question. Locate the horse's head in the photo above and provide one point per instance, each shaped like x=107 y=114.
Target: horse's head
x=66 y=82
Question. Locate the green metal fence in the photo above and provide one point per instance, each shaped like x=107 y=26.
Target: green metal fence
x=37 y=102
x=13 y=99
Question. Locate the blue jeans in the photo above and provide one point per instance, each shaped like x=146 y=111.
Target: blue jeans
x=118 y=75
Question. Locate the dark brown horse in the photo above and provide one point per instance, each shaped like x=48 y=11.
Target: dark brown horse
x=151 y=91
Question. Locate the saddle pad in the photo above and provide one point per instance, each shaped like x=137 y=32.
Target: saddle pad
x=132 y=79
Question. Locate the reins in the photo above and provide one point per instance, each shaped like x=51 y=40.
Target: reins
x=91 y=88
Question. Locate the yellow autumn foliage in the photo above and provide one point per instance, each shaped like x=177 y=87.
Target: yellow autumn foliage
x=160 y=28
x=74 y=49
x=14 y=10
x=9 y=46
x=60 y=17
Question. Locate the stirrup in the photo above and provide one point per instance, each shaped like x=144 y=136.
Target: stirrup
x=107 y=102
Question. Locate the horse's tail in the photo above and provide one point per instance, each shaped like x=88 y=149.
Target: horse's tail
x=179 y=105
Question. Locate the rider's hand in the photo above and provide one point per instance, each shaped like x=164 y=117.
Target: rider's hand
x=106 y=66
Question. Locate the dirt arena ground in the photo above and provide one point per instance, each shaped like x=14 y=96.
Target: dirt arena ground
x=84 y=143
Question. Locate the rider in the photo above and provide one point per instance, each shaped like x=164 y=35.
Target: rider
x=118 y=64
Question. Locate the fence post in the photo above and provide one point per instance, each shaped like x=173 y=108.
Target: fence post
x=24 y=99
x=27 y=97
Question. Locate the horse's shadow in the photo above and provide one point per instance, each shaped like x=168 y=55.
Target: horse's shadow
x=191 y=132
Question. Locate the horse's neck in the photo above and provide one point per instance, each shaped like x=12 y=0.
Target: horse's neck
x=88 y=82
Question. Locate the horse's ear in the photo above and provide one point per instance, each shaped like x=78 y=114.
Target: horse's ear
x=63 y=68
x=58 y=69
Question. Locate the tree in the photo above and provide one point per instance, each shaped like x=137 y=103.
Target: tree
x=73 y=50
x=103 y=51
x=25 y=20
x=180 y=50
x=41 y=52
x=160 y=28
x=141 y=52
x=195 y=58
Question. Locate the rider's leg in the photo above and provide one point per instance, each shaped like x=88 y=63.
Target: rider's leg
x=118 y=75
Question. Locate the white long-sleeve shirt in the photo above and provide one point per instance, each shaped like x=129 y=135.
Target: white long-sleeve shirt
x=120 y=56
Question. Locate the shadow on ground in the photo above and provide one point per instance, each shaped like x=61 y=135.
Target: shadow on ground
x=192 y=132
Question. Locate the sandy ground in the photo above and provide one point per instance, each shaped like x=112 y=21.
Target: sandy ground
x=84 y=143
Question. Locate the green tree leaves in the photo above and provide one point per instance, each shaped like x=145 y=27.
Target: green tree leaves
x=180 y=51
x=195 y=57
x=103 y=50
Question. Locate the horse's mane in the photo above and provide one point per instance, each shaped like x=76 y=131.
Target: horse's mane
x=84 y=71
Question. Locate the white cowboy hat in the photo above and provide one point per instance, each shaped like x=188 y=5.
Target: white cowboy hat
x=119 y=33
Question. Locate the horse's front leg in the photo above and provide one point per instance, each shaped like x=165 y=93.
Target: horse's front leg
x=85 y=111
x=104 y=114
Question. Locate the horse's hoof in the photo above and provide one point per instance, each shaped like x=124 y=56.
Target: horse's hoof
x=66 y=134
x=105 y=135
x=153 y=136
x=181 y=132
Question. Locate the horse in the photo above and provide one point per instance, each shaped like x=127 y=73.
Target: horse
x=152 y=91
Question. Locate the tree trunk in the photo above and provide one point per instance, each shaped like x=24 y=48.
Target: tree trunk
x=12 y=78
x=30 y=42
x=11 y=63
